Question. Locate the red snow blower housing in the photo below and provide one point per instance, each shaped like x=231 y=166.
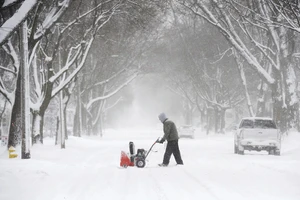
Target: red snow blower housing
x=135 y=159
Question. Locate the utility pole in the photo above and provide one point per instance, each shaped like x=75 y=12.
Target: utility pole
x=25 y=98
x=61 y=102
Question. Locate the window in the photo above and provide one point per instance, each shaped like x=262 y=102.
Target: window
x=258 y=123
x=264 y=124
x=247 y=123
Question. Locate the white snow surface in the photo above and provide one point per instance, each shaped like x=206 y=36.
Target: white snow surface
x=89 y=169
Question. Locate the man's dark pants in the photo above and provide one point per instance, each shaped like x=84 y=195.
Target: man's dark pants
x=172 y=148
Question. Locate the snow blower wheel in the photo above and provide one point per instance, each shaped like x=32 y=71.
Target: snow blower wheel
x=140 y=162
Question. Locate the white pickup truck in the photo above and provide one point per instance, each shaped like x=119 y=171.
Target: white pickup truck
x=256 y=134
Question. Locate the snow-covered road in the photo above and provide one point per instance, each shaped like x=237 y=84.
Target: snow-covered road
x=89 y=169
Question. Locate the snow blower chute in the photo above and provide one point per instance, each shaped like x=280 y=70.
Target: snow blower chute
x=135 y=159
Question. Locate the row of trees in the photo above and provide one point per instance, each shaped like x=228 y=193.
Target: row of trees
x=73 y=49
x=224 y=54
x=216 y=54
x=262 y=35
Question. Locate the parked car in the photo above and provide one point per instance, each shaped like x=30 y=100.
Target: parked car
x=257 y=134
x=187 y=131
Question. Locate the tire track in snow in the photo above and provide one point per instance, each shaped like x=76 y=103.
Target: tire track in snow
x=158 y=189
x=209 y=191
x=273 y=169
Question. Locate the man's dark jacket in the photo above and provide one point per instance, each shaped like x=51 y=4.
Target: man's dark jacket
x=170 y=131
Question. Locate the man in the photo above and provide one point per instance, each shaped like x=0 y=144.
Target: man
x=171 y=135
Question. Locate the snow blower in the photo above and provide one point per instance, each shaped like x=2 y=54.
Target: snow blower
x=135 y=159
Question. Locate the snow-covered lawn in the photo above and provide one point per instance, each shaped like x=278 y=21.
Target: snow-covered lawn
x=89 y=169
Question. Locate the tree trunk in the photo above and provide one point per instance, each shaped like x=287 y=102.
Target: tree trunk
x=279 y=108
x=84 y=120
x=261 y=101
x=36 y=121
x=203 y=113
x=101 y=124
x=77 y=125
x=76 y=131
x=1 y=117
x=209 y=119
x=62 y=121
x=89 y=125
x=292 y=100
x=286 y=86
x=80 y=128
x=222 y=120
x=97 y=127
x=216 y=119
x=202 y=117
x=188 y=113
x=244 y=82
x=207 y=124
x=237 y=116
x=95 y=118
x=66 y=121
x=41 y=138
x=56 y=131
x=14 y=137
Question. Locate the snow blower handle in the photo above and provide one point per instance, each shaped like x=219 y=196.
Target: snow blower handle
x=156 y=141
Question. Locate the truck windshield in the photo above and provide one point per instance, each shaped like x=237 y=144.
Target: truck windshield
x=264 y=124
x=258 y=123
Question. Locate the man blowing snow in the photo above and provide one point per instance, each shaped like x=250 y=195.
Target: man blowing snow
x=171 y=135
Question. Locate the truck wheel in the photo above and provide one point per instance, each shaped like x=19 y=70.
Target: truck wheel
x=271 y=152
x=140 y=163
x=235 y=149
x=241 y=152
x=277 y=153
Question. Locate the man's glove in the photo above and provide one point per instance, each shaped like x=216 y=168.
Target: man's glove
x=161 y=141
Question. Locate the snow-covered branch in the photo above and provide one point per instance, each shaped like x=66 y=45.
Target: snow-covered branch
x=91 y=102
x=50 y=20
x=85 y=50
x=8 y=70
x=222 y=55
x=262 y=48
x=109 y=79
x=82 y=16
x=10 y=50
x=14 y=22
x=232 y=36
x=176 y=92
x=65 y=82
x=70 y=61
x=112 y=105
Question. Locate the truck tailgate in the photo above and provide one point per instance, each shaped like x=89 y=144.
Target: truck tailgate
x=260 y=134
